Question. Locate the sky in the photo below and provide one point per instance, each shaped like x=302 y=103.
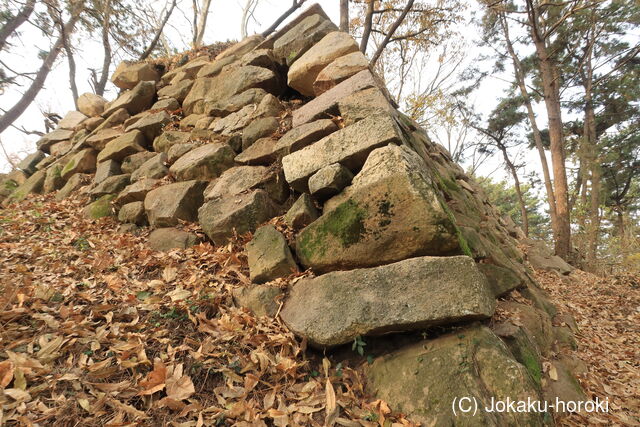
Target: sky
x=223 y=24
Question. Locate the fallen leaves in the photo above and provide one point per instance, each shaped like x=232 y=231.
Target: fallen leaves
x=96 y=329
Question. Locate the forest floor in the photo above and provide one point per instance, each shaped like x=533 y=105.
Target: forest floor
x=97 y=329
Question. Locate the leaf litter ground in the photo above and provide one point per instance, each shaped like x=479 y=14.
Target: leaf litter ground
x=97 y=329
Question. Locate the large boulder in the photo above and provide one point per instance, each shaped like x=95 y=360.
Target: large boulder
x=105 y=170
x=389 y=213
x=112 y=185
x=74 y=183
x=72 y=120
x=301 y=213
x=339 y=70
x=135 y=100
x=269 y=256
x=133 y=162
x=82 y=162
x=299 y=39
x=132 y=213
x=177 y=91
x=135 y=192
x=128 y=75
x=101 y=138
x=416 y=293
x=169 y=138
x=240 y=179
x=91 y=105
x=166 y=239
x=221 y=218
x=305 y=70
x=150 y=124
x=329 y=181
x=427 y=380
x=304 y=135
x=123 y=146
x=261 y=300
x=34 y=184
x=349 y=146
x=215 y=90
x=205 y=162
x=154 y=168
x=170 y=203
x=28 y=164
x=53 y=137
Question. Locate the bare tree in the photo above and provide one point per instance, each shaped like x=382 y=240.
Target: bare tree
x=14 y=22
x=247 y=13
x=368 y=22
x=12 y=114
x=200 y=21
x=391 y=32
x=294 y=6
x=159 y=31
x=344 y=15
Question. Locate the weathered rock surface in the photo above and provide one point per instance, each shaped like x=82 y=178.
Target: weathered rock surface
x=111 y=185
x=52 y=137
x=261 y=300
x=73 y=184
x=166 y=239
x=390 y=212
x=261 y=152
x=123 y=146
x=150 y=124
x=71 y=120
x=362 y=104
x=33 y=184
x=240 y=179
x=501 y=280
x=205 y=162
x=133 y=213
x=299 y=39
x=90 y=104
x=153 y=168
x=100 y=208
x=177 y=91
x=135 y=192
x=106 y=169
x=243 y=213
x=170 y=203
x=416 y=293
x=304 y=71
x=178 y=150
x=82 y=162
x=257 y=129
x=349 y=146
x=128 y=75
x=301 y=213
x=423 y=380
x=269 y=255
x=100 y=139
x=329 y=181
x=133 y=101
x=28 y=164
x=169 y=138
x=131 y=163
x=339 y=70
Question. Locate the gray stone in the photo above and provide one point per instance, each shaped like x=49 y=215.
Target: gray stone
x=390 y=212
x=178 y=91
x=234 y=103
x=170 y=203
x=72 y=120
x=326 y=105
x=101 y=138
x=53 y=181
x=117 y=117
x=257 y=129
x=240 y=179
x=260 y=58
x=92 y=123
x=111 y=185
x=51 y=138
x=100 y=208
x=123 y=146
x=304 y=71
x=269 y=256
x=362 y=104
x=90 y=104
x=169 y=138
x=261 y=300
x=227 y=84
x=243 y=46
x=166 y=239
x=82 y=162
x=106 y=169
x=28 y=164
x=151 y=124
x=135 y=192
x=221 y=218
x=73 y=184
x=60 y=148
x=169 y=104
x=132 y=213
x=304 y=135
x=501 y=280
x=301 y=213
x=135 y=100
x=131 y=163
x=214 y=68
x=339 y=70
x=416 y=293
x=422 y=380
x=153 y=168
x=329 y=181
x=205 y=162
x=349 y=146
x=178 y=150
x=33 y=185
x=262 y=152
x=299 y=39
x=128 y=75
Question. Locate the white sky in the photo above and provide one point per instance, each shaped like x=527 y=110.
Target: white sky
x=223 y=24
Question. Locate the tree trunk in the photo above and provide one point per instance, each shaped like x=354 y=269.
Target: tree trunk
x=551 y=90
x=296 y=4
x=593 y=230
x=159 y=31
x=202 y=23
x=344 y=15
x=368 y=22
x=101 y=84
x=391 y=32
x=12 y=114
x=516 y=183
x=537 y=138
x=72 y=67
x=13 y=23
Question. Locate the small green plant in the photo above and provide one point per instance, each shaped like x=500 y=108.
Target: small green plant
x=339 y=370
x=358 y=345
x=371 y=416
x=81 y=244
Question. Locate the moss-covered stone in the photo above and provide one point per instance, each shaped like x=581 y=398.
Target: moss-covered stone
x=101 y=207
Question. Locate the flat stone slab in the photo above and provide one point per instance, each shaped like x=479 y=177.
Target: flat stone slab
x=416 y=293
x=205 y=162
x=349 y=146
x=170 y=203
x=269 y=255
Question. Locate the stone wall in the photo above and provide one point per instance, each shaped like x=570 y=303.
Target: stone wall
x=396 y=236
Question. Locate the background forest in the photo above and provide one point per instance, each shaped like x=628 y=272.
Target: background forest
x=539 y=100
